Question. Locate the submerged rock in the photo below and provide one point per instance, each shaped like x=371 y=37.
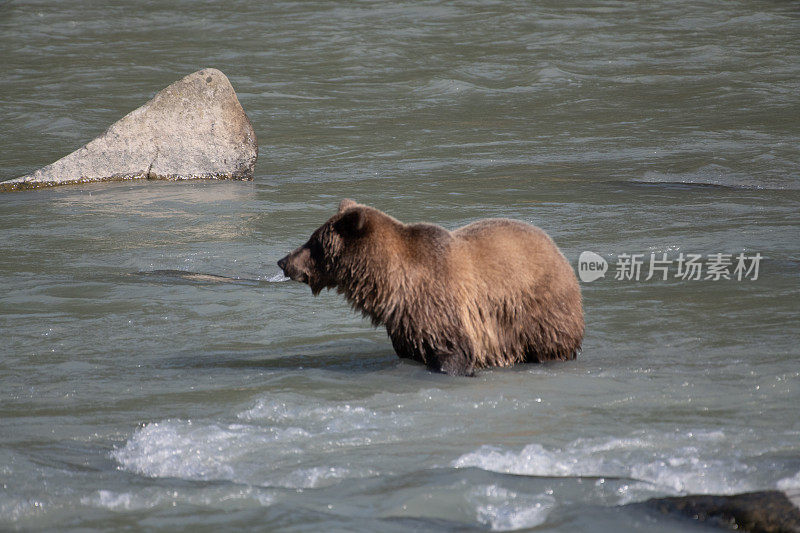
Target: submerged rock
x=196 y=277
x=193 y=129
x=767 y=511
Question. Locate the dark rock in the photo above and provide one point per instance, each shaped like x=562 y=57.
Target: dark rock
x=767 y=511
x=193 y=129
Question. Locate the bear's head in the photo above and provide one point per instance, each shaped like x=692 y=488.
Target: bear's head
x=324 y=260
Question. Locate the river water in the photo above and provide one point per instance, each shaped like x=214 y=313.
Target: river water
x=135 y=396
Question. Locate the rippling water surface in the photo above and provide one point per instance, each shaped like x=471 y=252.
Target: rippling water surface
x=132 y=395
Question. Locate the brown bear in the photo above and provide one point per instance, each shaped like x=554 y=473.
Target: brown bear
x=493 y=293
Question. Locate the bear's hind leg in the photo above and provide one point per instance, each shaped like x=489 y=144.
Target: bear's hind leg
x=450 y=359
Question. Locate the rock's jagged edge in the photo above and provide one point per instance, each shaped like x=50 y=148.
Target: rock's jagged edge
x=14 y=185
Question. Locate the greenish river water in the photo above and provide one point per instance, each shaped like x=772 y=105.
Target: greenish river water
x=133 y=397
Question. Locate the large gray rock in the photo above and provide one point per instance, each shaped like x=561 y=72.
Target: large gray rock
x=193 y=129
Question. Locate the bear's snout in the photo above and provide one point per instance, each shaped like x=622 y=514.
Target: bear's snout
x=295 y=265
x=288 y=269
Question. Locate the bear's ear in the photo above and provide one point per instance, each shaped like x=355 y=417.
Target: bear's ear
x=352 y=222
x=346 y=204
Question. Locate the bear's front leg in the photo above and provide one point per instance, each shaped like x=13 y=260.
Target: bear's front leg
x=450 y=359
x=453 y=362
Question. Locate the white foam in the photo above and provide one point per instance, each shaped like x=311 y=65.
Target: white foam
x=114 y=500
x=789 y=483
x=667 y=462
x=505 y=510
x=19 y=508
x=283 y=440
x=278 y=278
x=357 y=421
x=280 y=411
x=305 y=478
x=150 y=498
x=181 y=449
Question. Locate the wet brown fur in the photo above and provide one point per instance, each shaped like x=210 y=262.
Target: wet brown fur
x=493 y=293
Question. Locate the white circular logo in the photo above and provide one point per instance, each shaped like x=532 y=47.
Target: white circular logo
x=591 y=266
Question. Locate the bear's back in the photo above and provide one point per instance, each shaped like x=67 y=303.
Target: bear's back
x=509 y=250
